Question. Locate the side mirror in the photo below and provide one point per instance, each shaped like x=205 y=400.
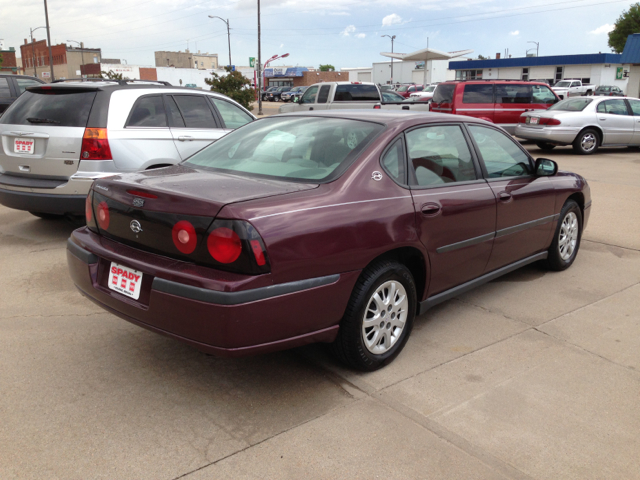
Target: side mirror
x=546 y=167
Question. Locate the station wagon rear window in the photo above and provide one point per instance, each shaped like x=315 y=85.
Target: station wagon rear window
x=50 y=108
x=311 y=149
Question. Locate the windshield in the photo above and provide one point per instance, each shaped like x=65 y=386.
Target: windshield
x=563 y=84
x=571 y=104
x=430 y=88
x=289 y=148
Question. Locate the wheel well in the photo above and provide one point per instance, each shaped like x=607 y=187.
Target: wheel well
x=160 y=165
x=414 y=260
x=593 y=127
x=578 y=197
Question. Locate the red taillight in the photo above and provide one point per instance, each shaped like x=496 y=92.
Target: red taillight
x=549 y=121
x=184 y=237
x=95 y=145
x=258 y=253
x=138 y=193
x=103 y=215
x=522 y=119
x=224 y=245
x=377 y=107
x=88 y=210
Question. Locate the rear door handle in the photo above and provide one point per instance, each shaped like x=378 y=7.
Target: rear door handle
x=310 y=108
x=185 y=138
x=405 y=107
x=504 y=196
x=430 y=209
x=601 y=118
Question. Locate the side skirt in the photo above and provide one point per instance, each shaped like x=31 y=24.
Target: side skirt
x=470 y=285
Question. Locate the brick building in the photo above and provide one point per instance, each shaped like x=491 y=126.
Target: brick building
x=9 y=64
x=68 y=61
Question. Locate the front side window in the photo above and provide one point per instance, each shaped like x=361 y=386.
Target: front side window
x=308 y=148
x=613 y=107
x=233 y=116
x=148 y=112
x=481 y=93
x=500 y=154
x=195 y=111
x=439 y=154
x=514 y=93
x=310 y=95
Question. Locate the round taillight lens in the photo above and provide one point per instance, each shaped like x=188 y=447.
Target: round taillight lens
x=224 y=245
x=103 y=215
x=88 y=211
x=184 y=237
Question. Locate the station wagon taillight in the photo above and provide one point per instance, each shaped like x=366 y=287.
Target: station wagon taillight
x=95 y=145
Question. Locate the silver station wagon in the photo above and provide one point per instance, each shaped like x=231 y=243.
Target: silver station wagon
x=58 y=138
x=586 y=123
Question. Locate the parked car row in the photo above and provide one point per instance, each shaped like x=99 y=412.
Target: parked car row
x=12 y=86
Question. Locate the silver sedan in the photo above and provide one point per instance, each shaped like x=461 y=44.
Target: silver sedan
x=584 y=122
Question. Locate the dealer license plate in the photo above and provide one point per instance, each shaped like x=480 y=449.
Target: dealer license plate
x=23 y=145
x=125 y=280
x=534 y=120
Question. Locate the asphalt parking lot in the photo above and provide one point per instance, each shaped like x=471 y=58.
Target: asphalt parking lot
x=533 y=376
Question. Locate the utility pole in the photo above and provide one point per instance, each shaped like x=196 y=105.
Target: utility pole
x=392 y=39
x=259 y=67
x=33 y=49
x=46 y=16
x=228 y=34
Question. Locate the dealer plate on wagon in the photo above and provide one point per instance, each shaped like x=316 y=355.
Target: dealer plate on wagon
x=125 y=280
x=23 y=145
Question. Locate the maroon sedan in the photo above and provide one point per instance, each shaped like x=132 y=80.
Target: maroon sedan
x=323 y=227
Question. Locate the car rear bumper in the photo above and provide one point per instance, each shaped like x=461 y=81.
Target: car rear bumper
x=246 y=321
x=42 y=202
x=553 y=135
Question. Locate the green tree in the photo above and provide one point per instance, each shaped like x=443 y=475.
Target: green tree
x=112 y=75
x=327 y=68
x=235 y=86
x=482 y=57
x=627 y=23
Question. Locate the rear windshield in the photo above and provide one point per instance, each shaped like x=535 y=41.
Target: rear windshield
x=444 y=93
x=300 y=148
x=60 y=109
x=571 y=104
x=349 y=93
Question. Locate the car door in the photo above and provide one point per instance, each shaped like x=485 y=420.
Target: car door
x=323 y=98
x=477 y=101
x=192 y=122
x=512 y=100
x=455 y=208
x=6 y=97
x=574 y=89
x=617 y=124
x=525 y=202
x=308 y=99
x=635 y=109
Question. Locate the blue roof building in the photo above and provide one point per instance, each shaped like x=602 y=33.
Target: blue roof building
x=631 y=56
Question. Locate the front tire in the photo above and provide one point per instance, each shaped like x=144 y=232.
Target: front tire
x=379 y=317
x=545 y=146
x=566 y=240
x=587 y=142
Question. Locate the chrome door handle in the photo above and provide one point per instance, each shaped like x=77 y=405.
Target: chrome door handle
x=185 y=138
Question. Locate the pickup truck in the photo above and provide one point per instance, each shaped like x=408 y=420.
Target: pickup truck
x=346 y=95
x=572 y=88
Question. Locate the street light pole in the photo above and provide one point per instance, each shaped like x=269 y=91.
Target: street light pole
x=33 y=49
x=392 y=39
x=259 y=67
x=537 y=44
x=228 y=34
x=81 y=44
x=46 y=16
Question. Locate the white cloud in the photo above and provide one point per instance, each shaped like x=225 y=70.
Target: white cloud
x=361 y=35
x=392 y=19
x=515 y=33
x=281 y=45
x=348 y=31
x=606 y=28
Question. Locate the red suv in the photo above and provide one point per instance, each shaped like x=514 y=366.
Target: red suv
x=407 y=90
x=498 y=101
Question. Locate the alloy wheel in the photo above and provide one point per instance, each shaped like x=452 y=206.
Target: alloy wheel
x=568 y=236
x=588 y=141
x=385 y=317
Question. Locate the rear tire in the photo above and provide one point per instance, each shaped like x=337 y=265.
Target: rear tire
x=587 y=142
x=379 y=317
x=566 y=240
x=545 y=146
x=46 y=216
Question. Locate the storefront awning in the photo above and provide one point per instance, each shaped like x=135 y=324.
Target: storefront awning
x=284 y=72
x=426 y=54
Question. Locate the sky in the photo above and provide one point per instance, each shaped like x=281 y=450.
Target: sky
x=343 y=33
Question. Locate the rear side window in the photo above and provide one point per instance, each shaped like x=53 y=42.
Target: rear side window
x=195 y=111
x=613 y=107
x=393 y=162
x=60 y=109
x=148 y=112
x=4 y=88
x=23 y=83
x=478 y=94
x=444 y=93
x=350 y=93
x=513 y=93
x=323 y=94
x=233 y=116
